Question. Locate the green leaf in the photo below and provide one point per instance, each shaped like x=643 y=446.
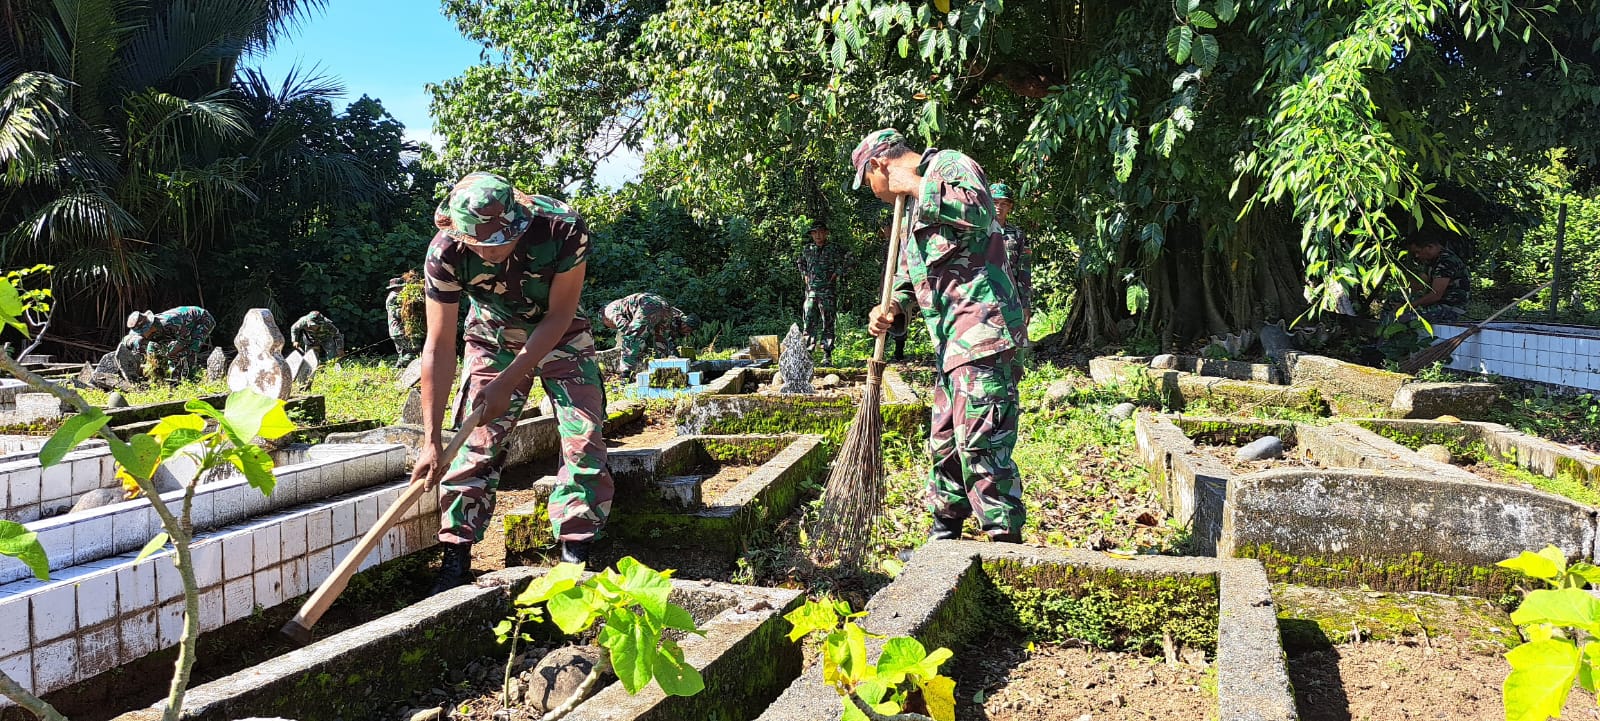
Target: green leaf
x=502 y=630
x=1226 y=10
x=1206 y=55
x=154 y=545
x=1179 y=40
x=10 y=301
x=646 y=586
x=556 y=580
x=1563 y=607
x=1202 y=19
x=676 y=617
x=633 y=650
x=138 y=456
x=1586 y=668
x=22 y=544
x=810 y=618
x=939 y=693
x=1138 y=298
x=1588 y=572
x=256 y=466
x=943 y=5
x=251 y=414
x=571 y=610
x=1539 y=565
x=178 y=440
x=1541 y=676
x=73 y=431
x=900 y=656
x=673 y=674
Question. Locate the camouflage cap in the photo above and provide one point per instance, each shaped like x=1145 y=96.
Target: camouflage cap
x=871 y=145
x=483 y=209
x=817 y=225
x=1000 y=191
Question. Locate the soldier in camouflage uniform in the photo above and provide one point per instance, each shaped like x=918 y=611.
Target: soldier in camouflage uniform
x=520 y=261
x=316 y=332
x=821 y=264
x=175 y=335
x=646 y=324
x=405 y=346
x=953 y=271
x=1446 y=277
x=1018 y=258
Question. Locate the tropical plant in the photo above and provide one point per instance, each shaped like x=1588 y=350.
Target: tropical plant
x=880 y=691
x=213 y=439
x=1561 y=624
x=632 y=602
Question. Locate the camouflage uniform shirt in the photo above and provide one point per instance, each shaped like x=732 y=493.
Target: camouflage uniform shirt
x=954 y=264
x=645 y=323
x=509 y=299
x=1449 y=265
x=821 y=266
x=1021 y=262
x=312 y=330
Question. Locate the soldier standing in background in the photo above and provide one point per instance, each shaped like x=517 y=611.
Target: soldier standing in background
x=405 y=346
x=1018 y=256
x=821 y=264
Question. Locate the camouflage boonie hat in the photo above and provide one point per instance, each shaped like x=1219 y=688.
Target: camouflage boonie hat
x=1000 y=191
x=870 y=147
x=483 y=209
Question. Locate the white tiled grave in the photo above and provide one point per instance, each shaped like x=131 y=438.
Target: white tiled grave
x=307 y=474
x=96 y=616
x=1554 y=354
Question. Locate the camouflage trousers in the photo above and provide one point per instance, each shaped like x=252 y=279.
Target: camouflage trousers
x=405 y=348
x=582 y=497
x=974 y=428
x=821 y=311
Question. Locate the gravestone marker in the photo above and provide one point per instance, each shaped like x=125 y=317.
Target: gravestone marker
x=795 y=367
x=217 y=365
x=411 y=412
x=259 y=364
x=411 y=376
x=308 y=368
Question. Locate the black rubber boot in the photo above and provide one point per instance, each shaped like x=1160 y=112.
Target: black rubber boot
x=575 y=552
x=456 y=570
x=900 y=348
x=1006 y=537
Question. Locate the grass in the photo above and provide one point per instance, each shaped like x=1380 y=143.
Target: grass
x=1564 y=484
x=1565 y=418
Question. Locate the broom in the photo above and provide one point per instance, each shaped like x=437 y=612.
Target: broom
x=1441 y=351
x=854 y=496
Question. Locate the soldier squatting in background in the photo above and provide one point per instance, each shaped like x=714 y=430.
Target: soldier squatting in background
x=316 y=332
x=519 y=259
x=1446 y=278
x=821 y=264
x=174 y=337
x=647 y=325
x=953 y=268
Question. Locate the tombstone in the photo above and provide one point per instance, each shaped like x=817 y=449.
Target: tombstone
x=308 y=368
x=216 y=365
x=115 y=400
x=610 y=359
x=411 y=376
x=259 y=363
x=795 y=367
x=411 y=412
x=295 y=361
x=86 y=375
x=335 y=346
x=37 y=359
x=1276 y=340
x=130 y=363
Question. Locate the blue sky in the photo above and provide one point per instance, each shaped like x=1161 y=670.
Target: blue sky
x=390 y=50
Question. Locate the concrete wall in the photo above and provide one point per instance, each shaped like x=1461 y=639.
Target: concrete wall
x=93 y=617
x=1558 y=355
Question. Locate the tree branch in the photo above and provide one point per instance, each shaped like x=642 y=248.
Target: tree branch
x=14 y=691
x=875 y=716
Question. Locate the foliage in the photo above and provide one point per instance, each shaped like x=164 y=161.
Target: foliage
x=905 y=665
x=632 y=602
x=1513 y=261
x=1560 y=624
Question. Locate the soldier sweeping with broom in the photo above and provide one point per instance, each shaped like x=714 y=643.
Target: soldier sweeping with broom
x=951 y=271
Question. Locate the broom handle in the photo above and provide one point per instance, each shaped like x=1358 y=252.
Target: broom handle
x=890 y=265
x=1515 y=303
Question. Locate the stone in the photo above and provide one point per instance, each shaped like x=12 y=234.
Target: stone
x=37 y=407
x=428 y=714
x=1276 y=340
x=610 y=359
x=412 y=374
x=1262 y=449
x=308 y=368
x=1122 y=411
x=1431 y=400
x=1165 y=361
x=558 y=675
x=1059 y=394
x=764 y=346
x=795 y=367
x=1448 y=419
x=296 y=362
x=1350 y=389
x=97 y=498
x=832 y=380
x=217 y=365
x=1232 y=345
x=1435 y=452
x=1114 y=369
x=115 y=400
x=259 y=364
x=411 y=412
x=36 y=359
x=130 y=364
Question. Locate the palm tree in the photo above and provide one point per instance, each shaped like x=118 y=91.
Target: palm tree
x=123 y=141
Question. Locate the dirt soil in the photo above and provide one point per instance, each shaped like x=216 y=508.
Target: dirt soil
x=722 y=480
x=1389 y=681
x=1001 y=680
x=1293 y=457
x=471 y=693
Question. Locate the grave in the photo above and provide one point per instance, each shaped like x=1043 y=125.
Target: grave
x=1359 y=508
x=795 y=368
x=744 y=656
x=696 y=492
x=259 y=364
x=961 y=594
x=665 y=377
x=733 y=405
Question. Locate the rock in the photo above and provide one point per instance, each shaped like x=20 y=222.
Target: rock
x=1351 y=390
x=98 y=498
x=411 y=412
x=1431 y=400
x=1276 y=340
x=1265 y=448
x=217 y=365
x=558 y=675
x=428 y=714
x=37 y=407
x=115 y=400
x=308 y=368
x=412 y=374
x=130 y=364
x=1122 y=411
x=259 y=364
x=1113 y=369
x=1448 y=419
x=1435 y=452
x=1165 y=361
x=832 y=380
x=795 y=368
x=1059 y=394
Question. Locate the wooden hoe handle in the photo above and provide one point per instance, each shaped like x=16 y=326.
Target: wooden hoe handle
x=890 y=265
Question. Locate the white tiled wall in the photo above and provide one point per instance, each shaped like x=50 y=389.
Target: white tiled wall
x=1543 y=357
x=78 y=538
x=94 y=617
